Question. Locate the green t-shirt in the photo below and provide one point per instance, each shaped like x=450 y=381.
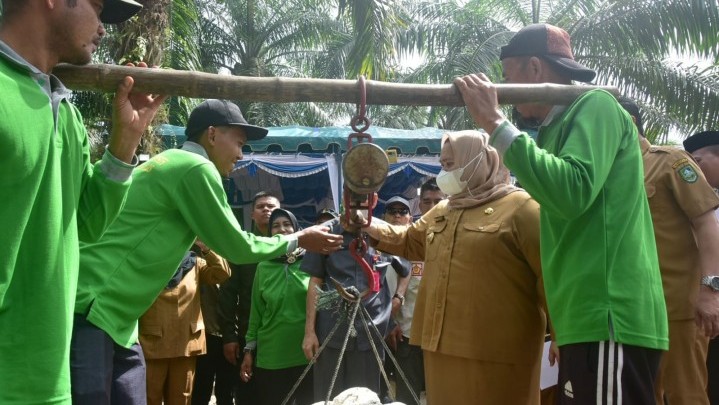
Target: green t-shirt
x=175 y=196
x=599 y=257
x=51 y=197
x=277 y=314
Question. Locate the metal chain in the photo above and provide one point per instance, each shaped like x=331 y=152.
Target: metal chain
x=314 y=358
x=365 y=318
x=357 y=304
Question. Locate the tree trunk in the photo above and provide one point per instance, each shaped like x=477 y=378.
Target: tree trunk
x=144 y=39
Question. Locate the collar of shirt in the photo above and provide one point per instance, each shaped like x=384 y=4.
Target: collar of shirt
x=52 y=86
x=555 y=111
x=195 y=148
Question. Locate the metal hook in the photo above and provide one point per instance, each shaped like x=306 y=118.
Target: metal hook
x=360 y=118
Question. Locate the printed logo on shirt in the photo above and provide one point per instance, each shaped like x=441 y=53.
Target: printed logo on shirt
x=152 y=163
x=417 y=269
x=687 y=173
x=568 y=389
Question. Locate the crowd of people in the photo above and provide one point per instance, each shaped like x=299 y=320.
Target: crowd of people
x=135 y=284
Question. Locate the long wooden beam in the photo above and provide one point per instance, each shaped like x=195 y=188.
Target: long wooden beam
x=289 y=90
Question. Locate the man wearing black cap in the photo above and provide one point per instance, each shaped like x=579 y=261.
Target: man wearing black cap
x=175 y=197
x=326 y=214
x=599 y=258
x=53 y=195
x=704 y=147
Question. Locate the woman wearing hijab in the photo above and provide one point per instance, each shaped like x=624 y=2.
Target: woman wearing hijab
x=479 y=314
x=277 y=323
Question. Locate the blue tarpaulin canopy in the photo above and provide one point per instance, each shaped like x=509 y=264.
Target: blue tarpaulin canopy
x=310 y=178
x=309 y=139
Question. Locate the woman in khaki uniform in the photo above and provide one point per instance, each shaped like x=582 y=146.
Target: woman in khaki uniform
x=479 y=314
x=172 y=332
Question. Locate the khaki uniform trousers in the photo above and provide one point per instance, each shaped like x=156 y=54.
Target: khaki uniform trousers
x=457 y=380
x=682 y=377
x=170 y=380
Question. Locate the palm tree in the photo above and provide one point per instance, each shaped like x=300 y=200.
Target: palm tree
x=633 y=44
x=142 y=38
x=301 y=39
x=275 y=38
x=162 y=25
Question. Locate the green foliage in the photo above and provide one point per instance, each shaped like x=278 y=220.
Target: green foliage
x=641 y=46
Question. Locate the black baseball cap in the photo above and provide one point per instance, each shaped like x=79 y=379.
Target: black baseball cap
x=700 y=140
x=551 y=44
x=117 y=11
x=328 y=212
x=220 y=113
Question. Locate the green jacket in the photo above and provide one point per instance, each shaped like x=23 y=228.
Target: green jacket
x=599 y=256
x=52 y=196
x=277 y=314
x=176 y=196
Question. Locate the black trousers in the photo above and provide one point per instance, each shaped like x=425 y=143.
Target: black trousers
x=713 y=371
x=212 y=370
x=606 y=372
x=274 y=385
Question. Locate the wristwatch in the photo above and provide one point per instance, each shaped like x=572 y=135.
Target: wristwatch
x=711 y=282
x=247 y=350
x=399 y=297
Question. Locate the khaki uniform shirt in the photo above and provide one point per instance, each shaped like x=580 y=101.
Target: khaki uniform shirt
x=173 y=325
x=677 y=192
x=481 y=295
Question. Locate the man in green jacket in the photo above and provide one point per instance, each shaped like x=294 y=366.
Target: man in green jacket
x=176 y=196
x=52 y=196
x=599 y=258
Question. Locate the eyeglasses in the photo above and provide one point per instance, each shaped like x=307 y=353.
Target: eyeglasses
x=397 y=211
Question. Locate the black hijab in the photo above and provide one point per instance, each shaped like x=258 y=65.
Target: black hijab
x=282 y=213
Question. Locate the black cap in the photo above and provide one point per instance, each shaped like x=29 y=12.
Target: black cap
x=117 y=11
x=328 y=212
x=633 y=109
x=551 y=44
x=220 y=113
x=700 y=140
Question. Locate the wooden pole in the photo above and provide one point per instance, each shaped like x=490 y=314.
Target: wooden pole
x=290 y=90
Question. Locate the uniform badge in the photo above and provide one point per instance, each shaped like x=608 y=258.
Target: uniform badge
x=417 y=269
x=687 y=173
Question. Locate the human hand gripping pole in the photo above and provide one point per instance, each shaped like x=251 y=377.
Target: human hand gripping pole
x=131 y=114
x=480 y=98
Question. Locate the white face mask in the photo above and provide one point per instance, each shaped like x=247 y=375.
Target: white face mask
x=451 y=183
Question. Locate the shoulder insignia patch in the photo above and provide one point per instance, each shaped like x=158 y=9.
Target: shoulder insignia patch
x=687 y=173
x=679 y=162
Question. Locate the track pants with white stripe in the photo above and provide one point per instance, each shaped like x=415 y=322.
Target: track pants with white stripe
x=606 y=373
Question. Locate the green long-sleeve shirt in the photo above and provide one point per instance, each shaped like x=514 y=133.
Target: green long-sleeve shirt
x=599 y=256
x=176 y=196
x=277 y=314
x=52 y=196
